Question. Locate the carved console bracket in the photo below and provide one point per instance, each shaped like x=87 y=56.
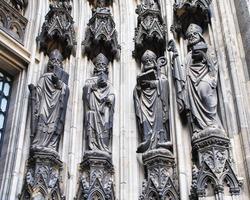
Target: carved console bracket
x=42 y=179
x=213 y=165
x=101 y=36
x=150 y=31
x=96 y=177
x=12 y=22
x=190 y=11
x=160 y=183
x=58 y=30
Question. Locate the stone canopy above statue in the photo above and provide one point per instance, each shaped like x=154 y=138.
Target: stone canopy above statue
x=151 y=30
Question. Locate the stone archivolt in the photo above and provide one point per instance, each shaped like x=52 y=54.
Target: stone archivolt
x=58 y=30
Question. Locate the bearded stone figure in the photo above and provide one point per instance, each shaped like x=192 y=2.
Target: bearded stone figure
x=196 y=82
x=99 y=101
x=151 y=104
x=48 y=106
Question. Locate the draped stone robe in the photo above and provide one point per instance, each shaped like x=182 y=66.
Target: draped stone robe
x=151 y=106
x=98 y=114
x=199 y=94
x=50 y=108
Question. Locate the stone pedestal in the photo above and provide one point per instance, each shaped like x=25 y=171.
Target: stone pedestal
x=42 y=177
x=212 y=165
x=96 y=180
x=160 y=176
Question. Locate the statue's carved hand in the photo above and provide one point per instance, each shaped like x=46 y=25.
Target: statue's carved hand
x=55 y=79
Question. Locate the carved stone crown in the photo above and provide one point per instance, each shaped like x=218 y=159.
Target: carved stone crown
x=148 y=55
x=100 y=58
x=193 y=28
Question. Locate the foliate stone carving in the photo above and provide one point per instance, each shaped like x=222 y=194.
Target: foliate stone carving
x=161 y=176
x=213 y=164
x=12 y=21
x=48 y=106
x=42 y=180
x=101 y=36
x=96 y=180
x=19 y=5
x=151 y=104
x=99 y=101
x=151 y=30
x=58 y=29
x=190 y=11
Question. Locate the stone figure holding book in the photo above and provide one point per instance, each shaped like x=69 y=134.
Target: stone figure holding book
x=99 y=101
x=48 y=106
x=151 y=104
x=196 y=82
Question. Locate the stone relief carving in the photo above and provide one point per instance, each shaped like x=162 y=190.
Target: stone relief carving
x=12 y=22
x=99 y=101
x=100 y=3
x=161 y=176
x=42 y=180
x=151 y=104
x=196 y=81
x=48 y=106
x=96 y=177
x=58 y=29
x=101 y=36
x=190 y=11
x=20 y=5
x=151 y=30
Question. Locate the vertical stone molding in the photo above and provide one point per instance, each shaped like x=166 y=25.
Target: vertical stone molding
x=213 y=165
x=48 y=103
x=101 y=35
x=96 y=174
x=187 y=12
x=96 y=180
x=161 y=177
x=12 y=21
x=150 y=32
x=58 y=29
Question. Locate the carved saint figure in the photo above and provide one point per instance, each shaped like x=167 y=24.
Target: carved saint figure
x=48 y=105
x=151 y=104
x=99 y=101
x=196 y=81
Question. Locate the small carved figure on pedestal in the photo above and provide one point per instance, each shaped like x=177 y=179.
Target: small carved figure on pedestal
x=99 y=101
x=151 y=104
x=48 y=106
x=196 y=82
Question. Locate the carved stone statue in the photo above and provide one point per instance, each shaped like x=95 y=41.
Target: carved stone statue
x=151 y=104
x=99 y=101
x=48 y=106
x=196 y=81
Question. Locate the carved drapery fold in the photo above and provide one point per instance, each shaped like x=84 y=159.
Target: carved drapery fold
x=150 y=32
x=58 y=30
x=101 y=35
x=12 y=22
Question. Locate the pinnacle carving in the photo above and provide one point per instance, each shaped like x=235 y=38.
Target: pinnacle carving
x=151 y=30
x=101 y=35
x=58 y=30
